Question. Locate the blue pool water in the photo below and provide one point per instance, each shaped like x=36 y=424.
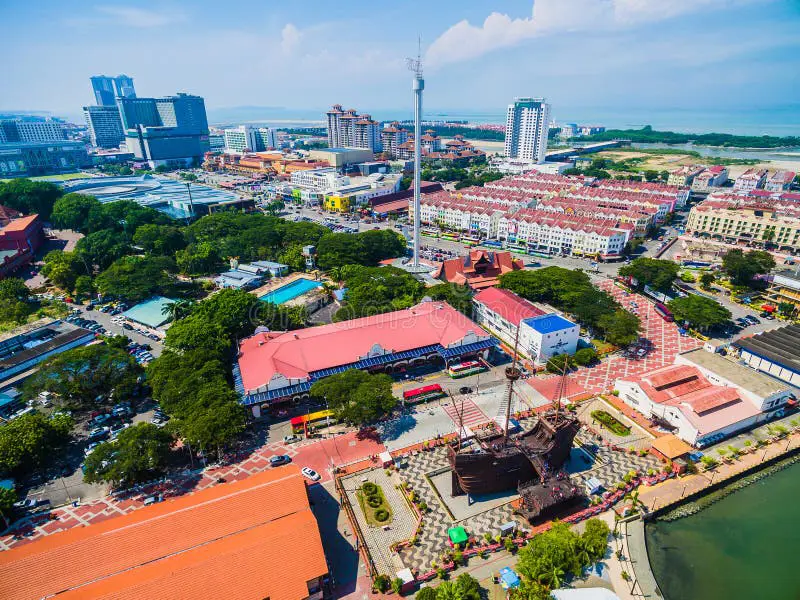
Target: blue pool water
x=290 y=291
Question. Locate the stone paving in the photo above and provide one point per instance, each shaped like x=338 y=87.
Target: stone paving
x=638 y=437
x=464 y=409
x=318 y=454
x=667 y=343
x=379 y=539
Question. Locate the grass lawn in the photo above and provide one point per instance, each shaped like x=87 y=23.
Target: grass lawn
x=603 y=348
x=377 y=512
x=611 y=423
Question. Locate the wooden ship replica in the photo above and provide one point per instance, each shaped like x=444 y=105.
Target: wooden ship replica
x=530 y=462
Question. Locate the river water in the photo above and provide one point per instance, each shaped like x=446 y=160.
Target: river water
x=744 y=547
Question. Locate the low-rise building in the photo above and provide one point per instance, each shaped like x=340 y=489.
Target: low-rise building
x=779 y=181
x=684 y=175
x=547 y=335
x=250 y=539
x=704 y=398
x=26 y=159
x=153 y=313
x=246 y=276
x=776 y=352
x=750 y=180
x=478 y=268
x=341 y=157
x=277 y=367
x=710 y=178
x=784 y=288
x=500 y=312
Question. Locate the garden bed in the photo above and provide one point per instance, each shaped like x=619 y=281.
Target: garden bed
x=374 y=505
x=611 y=423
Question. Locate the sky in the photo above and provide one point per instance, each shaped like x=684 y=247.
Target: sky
x=632 y=58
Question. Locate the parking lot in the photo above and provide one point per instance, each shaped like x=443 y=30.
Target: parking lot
x=112 y=328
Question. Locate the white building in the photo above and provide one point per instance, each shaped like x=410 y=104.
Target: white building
x=545 y=336
x=750 y=180
x=105 y=126
x=704 y=397
x=249 y=139
x=527 y=126
x=324 y=179
x=779 y=181
x=348 y=129
x=15 y=130
x=500 y=312
x=712 y=177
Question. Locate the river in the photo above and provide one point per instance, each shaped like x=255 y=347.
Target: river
x=744 y=547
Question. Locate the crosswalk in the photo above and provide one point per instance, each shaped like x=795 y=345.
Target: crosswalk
x=465 y=410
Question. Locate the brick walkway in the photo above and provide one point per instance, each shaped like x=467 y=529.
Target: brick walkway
x=467 y=411
x=316 y=454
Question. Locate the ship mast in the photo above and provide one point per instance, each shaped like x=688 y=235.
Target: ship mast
x=561 y=392
x=512 y=374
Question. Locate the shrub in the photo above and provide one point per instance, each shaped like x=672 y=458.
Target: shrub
x=369 y=488
x=381 y=515
x=610 y=423
x=488 y=537
x=458 y=557
x=397 y=585
x=441 y=573
x=381 y=583
x=374 y=501
x=423 y=506
x=509 y=544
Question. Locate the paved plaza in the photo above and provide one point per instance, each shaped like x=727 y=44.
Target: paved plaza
x=638 y=438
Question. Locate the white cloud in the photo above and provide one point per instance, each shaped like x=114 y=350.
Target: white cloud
x=138 y=17
x=463 y=40
x=290 y=38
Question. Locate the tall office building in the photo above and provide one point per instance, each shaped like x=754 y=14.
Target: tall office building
x=170 y=130
x=249 y=139
x=348 y=129
x=105 y=126
x=527 y=126
x=17 y=130
x=106 y=89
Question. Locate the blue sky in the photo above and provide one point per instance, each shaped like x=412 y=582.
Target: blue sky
x=617 y=55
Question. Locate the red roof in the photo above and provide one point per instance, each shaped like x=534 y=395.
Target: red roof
x=255 y=538
x=479 y=268
x=295 y=354
x=21 y=224
x=507 y=304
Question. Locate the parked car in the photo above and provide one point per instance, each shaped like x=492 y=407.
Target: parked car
x=31 y=503
x=290 y=439
x=281 y=459
x=310 y=474
x=155 y=498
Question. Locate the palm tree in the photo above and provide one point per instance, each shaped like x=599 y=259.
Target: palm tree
x=336 y=274
x=582 y=554
x=633 y=497
x=552 y=578
x=178 y=309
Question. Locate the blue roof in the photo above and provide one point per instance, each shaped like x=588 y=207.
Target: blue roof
x=509 y=579
x=548 y=323
x=149 y=312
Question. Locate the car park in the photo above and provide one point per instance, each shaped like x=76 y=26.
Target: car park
x=90 y=448
x=310 y=474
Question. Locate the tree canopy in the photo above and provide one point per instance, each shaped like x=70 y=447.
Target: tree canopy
x=699 y=311
x=457 y=296
x=365 y=248
x=136 y=278
x=137 y=455
x=658 y=274
x=376 y=290
x=30 y=197
x=31 y=441
x=356 y=396
x=742 y=267
x=79 y=375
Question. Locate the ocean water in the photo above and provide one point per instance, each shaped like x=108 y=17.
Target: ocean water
x=744 y=547
x=782 y=120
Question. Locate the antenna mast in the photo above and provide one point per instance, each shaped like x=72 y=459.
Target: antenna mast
x=418 y=84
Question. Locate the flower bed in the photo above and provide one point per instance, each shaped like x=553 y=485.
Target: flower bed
x=373 y=504
x=611 y=423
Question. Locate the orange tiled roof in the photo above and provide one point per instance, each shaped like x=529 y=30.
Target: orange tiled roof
x=254 y=538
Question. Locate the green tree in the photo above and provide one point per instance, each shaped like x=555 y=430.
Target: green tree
x=457 y=296
x=595 y=539
x=31 y=441
x=468 y=587
x=706 y=280
x=356 y=396
x=530 y=590
x=103 y=247
x=699 y=311
x=64 y=268
x=177 y=309
x=786 y=308
x=199 y=259
x=620 y=327
x=79 y=375
x=163 y=240
x=558 y=363
x=137 y=455
x=658 y=274
x=84 y=286
x=71 y=211
x=376 y=290
x=136 y=278
x=426 y=593
x=585 y=356
x=742 y=268
x=293 y=256
x=30 y=197
x=7 y=499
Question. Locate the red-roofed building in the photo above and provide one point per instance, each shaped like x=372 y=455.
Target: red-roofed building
x=19 y=239
x=7 y=214
x=682 y=398
x=478 y=269
x=251 y=539
x=500 y=311
x=280 y=366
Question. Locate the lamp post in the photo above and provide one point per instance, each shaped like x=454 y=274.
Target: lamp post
x=188 y=185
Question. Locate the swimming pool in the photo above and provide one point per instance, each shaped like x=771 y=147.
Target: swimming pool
x=290 y=291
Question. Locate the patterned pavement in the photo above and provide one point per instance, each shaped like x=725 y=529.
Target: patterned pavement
x=466 y=410
x=667 y=343
x=317 y=454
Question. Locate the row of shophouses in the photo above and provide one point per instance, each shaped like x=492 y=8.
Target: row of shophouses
x=554 y=214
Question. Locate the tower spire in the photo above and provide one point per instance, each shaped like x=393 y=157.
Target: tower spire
x=418 y=84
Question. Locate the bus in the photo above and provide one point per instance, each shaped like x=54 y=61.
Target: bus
x=445 y=235
x=518 y=248
x=423 y=394
x=429 y=231
x=664 y=312
x=492 y=243
x=300 y=424
x=465 y=369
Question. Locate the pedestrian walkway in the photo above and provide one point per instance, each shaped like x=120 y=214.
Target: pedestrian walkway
x=466 y=411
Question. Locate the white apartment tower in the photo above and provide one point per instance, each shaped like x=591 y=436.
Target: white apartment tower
x=249 y=139
x=527 y=126
x=348 y=129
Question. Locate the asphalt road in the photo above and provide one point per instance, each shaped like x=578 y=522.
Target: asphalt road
x=104 y=319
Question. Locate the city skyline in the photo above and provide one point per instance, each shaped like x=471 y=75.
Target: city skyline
x=704 y=55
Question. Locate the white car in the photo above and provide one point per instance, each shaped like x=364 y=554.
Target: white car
x=290 y=439
x=310 y=474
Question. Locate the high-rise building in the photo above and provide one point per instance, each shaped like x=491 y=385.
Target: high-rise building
x=348 y=129
x=17 y=130
x=527 y=128
x=165 y=130
x=105 y=126
x=106 y=89
x=249 y=139
x=266 y=138
x=391 y=137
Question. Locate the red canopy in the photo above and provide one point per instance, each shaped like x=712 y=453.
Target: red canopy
x=768 y=308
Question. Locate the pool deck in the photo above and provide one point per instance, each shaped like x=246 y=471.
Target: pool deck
x=279 y=282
